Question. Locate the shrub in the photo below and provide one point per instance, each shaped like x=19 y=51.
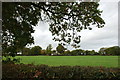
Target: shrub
x=11 y=60
x=59 y=72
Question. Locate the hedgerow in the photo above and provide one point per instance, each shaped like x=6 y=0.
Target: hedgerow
x=37 y=72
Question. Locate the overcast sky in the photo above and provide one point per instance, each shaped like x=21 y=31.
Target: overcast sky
x=90 y=39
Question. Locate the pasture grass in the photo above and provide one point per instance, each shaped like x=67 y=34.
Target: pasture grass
x=106 y=61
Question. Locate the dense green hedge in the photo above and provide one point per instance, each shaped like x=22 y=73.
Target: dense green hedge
x=18 y=71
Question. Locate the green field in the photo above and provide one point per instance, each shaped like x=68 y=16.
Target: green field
x=107 y=61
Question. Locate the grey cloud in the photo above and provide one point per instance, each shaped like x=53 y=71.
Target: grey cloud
x=106 y=36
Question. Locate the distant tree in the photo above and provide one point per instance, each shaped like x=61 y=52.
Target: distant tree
x=76 y=52
x=67 y=53
x=102 y=51
x=60 y=48
x=54 y=52
x=109 y=51
x=115 y=50
x=92 y=52
x=36 y=50
x=26 y=51
x=96 y=53
x=49 y=49
x=87 y=52
x=80 y=51
x=43 y=52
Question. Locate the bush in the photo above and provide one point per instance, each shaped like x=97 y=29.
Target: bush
x=60 y=72
x=11 y=60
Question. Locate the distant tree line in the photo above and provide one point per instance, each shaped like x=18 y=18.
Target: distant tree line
x=115 y=50
x=62 y=51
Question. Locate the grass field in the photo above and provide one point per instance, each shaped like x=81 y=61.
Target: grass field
x=107 y=61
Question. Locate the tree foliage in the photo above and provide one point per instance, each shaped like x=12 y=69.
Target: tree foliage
x=36 y=50
x=43 y=52
x=115 y=50
x=49 y=49
x=18 y=19
x=60 y=48
x=65 y=21
x=26 y=51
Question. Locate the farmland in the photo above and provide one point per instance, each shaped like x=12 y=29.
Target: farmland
x=106 y=61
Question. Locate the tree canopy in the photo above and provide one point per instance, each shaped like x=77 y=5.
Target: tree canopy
x=65 y=19
x=115 y=50
x=36 y=50
x=49 y=49
x=60 y=48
